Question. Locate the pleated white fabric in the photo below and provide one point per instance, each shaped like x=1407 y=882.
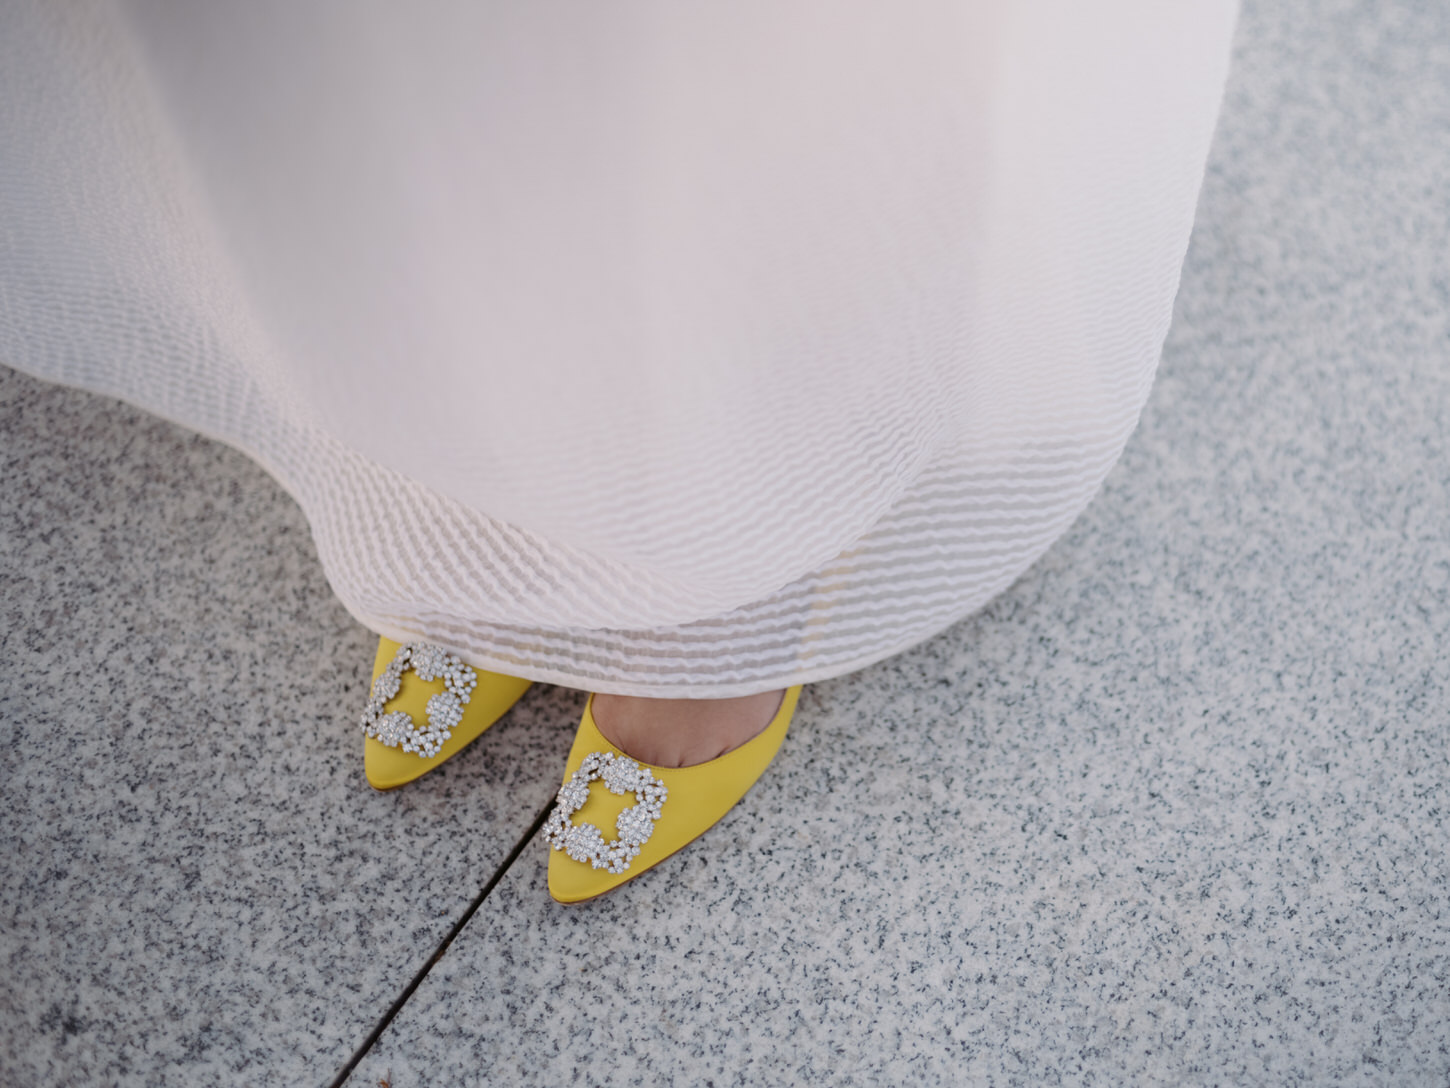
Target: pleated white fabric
x=645 y=347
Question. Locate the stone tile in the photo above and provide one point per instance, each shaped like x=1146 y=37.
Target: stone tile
x=1171 y=811
x=196 y=883
x=1015 y=855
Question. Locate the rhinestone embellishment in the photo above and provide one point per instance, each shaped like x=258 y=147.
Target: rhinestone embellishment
x=445 y=710
x=634 y=826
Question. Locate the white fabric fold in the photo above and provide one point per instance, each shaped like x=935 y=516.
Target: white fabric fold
x=644 y=347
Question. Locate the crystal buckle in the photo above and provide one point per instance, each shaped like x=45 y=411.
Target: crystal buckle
x=445 y=709
x=634 y=826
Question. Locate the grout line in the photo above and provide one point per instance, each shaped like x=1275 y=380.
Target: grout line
x=397 y=1006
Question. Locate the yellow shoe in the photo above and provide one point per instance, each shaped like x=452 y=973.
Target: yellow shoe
x=655 y=810
x=425 y=707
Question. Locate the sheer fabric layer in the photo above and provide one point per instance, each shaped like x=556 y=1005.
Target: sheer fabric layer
x=633 y=349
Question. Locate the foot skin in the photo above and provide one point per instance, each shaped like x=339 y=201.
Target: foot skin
x=682 y=732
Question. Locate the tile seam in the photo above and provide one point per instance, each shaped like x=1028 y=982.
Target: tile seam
x=438 y=953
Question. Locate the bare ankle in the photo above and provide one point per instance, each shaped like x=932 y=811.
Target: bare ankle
x=682 y=732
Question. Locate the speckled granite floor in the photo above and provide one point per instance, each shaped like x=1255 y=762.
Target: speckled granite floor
x=1172 y=811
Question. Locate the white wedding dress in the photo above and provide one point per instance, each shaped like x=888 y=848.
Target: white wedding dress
x=646 y=347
